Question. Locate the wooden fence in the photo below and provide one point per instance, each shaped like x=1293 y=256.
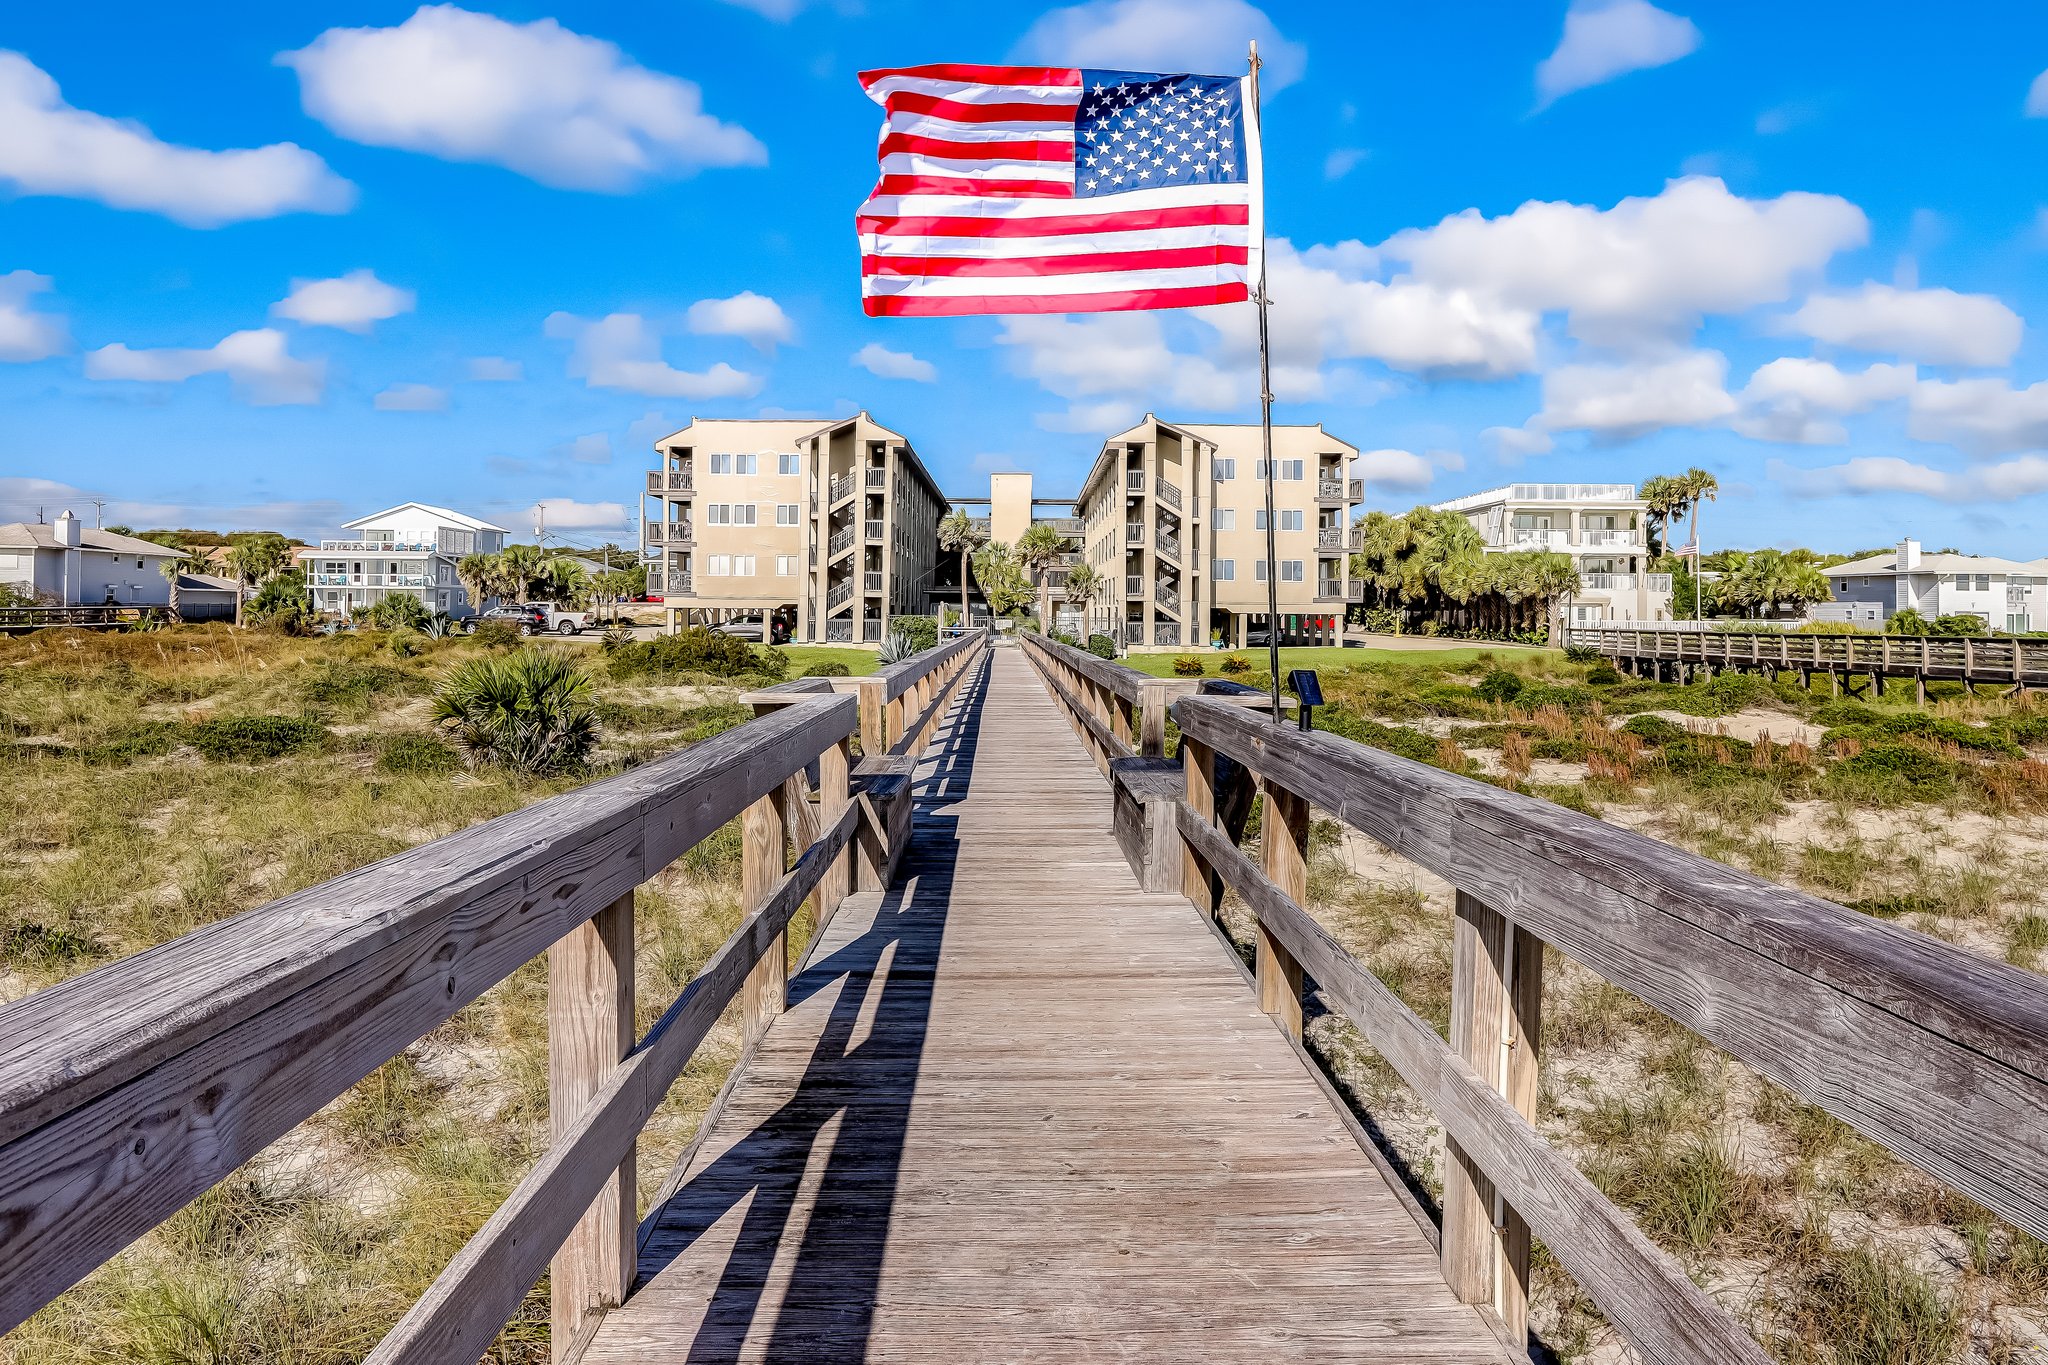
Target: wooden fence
x=15 y=620
x=1937 y=1054
x=129 y=1090
x=2013 y=661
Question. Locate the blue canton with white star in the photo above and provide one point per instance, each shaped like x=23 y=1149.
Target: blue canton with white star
x=1138 y=131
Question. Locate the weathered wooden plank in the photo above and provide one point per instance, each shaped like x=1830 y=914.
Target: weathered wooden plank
x=1283 y=844
x=480 y=1289
x=1640 y=1289
x=1938 y=1054
x=242 y=1030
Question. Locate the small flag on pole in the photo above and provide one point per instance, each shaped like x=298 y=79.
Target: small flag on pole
x=1028 y=189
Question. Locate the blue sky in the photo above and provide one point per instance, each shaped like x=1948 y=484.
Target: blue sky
x=290 y=264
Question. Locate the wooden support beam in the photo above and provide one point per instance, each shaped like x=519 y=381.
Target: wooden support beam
x=590 y=1031
x=1283 y=841
x=874 y=740
x=766 y=993
x=835 y=765
x=1152 y=702
x=1196 y=883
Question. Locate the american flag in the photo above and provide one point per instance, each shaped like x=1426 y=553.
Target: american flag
x=1031 y=189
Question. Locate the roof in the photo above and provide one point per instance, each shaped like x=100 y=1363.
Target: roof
x=206 y=582
x=452 y=518
x=1936 y=563
x=44 y=537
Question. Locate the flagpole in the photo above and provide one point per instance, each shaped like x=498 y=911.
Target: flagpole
x=1266 y=426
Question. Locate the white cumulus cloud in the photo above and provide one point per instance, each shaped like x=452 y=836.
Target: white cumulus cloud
x=1796 y=400
x=52 y=148
x=353 y=302
x=567 y=110
x=755 y=317
x=621 y=351
x=878 y=359
x=567 y=514
x=1210 y=37
x=2021 y=477
x=1938 y=326
x=1393 y=469
x=1620 y=402
x=1984 y=416
x=412 y=398
x=596 y=448
x=495 y=369
x=24 y=333
x=1608 y=38
x=258 y=362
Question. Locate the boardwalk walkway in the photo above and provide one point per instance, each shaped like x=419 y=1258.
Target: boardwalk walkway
x=1021 y=1110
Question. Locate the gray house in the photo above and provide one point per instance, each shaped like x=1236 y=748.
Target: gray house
x=2010 y=595
x=68 y=564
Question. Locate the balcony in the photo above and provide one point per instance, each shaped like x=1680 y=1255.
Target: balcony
x=668 y=533
x=1607 y=582
x=1134 y=632
x=871 y=581
x=383 y=547
x=839 y=632
x=841 y=487
x=373 y=580
x=1168 y=495
x=1134 y=585
x=1336 y=590
x=842 y=541
x=1330 y=538
x=1524 y=538
x=981 y=526
x=1134 y=480
x=1622 y=539
x=871 y=630
x=1166 y=633
x=1066 y=526
x=878 y=479
x=678 y=584
x=1657 y=582
x=674 y=481
x=874 y=530
x=1340 y=490
x=1134 y=533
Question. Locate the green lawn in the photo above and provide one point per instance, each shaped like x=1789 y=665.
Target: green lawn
x=802 y=657
x=1330 y=658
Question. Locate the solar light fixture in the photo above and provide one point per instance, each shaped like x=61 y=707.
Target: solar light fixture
x=1309 y=690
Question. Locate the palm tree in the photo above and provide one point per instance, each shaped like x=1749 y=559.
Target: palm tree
x=1038 y=549
x=1666 y=497
x=171 y=569
x=252 y=560
x=1083 y=583
x=477 y=574
x=1699 y=486
x=566 y=580
x=959 y=533
x=522 y=565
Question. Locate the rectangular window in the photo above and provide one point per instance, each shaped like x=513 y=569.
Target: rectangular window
x=1983 y=582
x=785 y=514
x=1962 y=580
x=1259 y=570
x=743 y=566
x=1226 y=470
x=732 y=464
x=1290 y=571
x=1226 y=569
x=1290 y=471
x=1226 y=518
x=1259 y=519
x=1290 y=520
x=718 y=514
x=718 y=566
x=789 y=464
x=785 y=566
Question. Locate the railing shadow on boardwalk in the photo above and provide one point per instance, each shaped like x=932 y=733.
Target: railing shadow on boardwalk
x=853 y=1099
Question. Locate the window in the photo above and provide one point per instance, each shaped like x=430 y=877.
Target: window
x=785 y=566
x=789 y=464
x=732 y=464
x=1290 y=521
x=1225 y=518
x=1226 y=470
x=718 y=566
x=1259 y=519
x=1290 y=470
x=743 y=565
x=1290 y=571
x=1259 y=570
x=1983 y=582
x=785 y=514
x=1962 y=581
x=1226 y=569
x=731 y=513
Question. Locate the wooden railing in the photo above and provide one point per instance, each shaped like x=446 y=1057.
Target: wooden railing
x=1937 y=1054
x=1972 y=658
x=38 y=618
x=130 y=1090
x=1111 y=706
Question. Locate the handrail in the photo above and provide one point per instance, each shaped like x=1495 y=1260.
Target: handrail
x=129 y=1090
x=2018 y=660
x=1108 y=703
x=1935 y=1053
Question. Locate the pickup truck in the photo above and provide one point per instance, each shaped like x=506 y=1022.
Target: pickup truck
x=560 y=620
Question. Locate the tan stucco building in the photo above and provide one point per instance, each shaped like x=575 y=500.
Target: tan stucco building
x=1174 y=517
x=832 y=529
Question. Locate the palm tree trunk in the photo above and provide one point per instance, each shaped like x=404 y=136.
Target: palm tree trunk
x=963 y=587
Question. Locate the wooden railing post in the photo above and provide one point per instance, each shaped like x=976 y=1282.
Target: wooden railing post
x=590 y=1031
x=873 y=741
x=1152 y=718
x=1283 y=841
x=1199 y=762
x=1120 y=719
x=1496 y=1025
x=835 y=768
x=762 y=863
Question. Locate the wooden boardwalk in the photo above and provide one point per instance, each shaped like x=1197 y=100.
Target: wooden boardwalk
x=1021 y=1110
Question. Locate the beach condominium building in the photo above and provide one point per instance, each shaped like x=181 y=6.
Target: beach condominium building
x=1602 y=526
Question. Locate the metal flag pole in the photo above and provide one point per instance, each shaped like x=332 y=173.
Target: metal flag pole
x=1266 y=425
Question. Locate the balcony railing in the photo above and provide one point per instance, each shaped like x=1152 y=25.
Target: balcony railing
x=1525 y=536
x=874 y=530
x=842 y=541
x=981 y=525
x=839 y=632
x=1134 y=480
x=841 y=487
x=383 y=547
x=1134 y=533
x=878 y=478
x=1169 y=546
x=1339 y=490
x=668 y=533
x=1334 y=590
x=1330 y=538
x=1134 y=632
x=674 y=481
x=678 y=585
x=1607 y=582
x=1134 y=585
x=1168 y=494
x=1168 y=596
x=373 y=580
x=1066 y=526
x=1657 y=582
x=871 y=581
x=1610 y=538
x=1166 y=633
x=871 y=629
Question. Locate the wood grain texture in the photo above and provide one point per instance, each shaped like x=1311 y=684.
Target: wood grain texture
x=480 y=1289
x=590 y=1031
x=762 y=853
x=1020 y=1110
x=1938 y=1054
x=1283 y=846
x=129 y=1090
x=1646 y=1294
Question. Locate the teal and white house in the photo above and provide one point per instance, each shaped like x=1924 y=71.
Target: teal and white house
x=411 y=548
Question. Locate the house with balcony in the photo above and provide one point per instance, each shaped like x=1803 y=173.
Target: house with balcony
x=2006 y=594
x=412 y=548
x=830 y=530
x=1174 y=514
x=1602 y=526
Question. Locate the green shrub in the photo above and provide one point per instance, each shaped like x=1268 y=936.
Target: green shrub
x=350 y=685
x=1561 y=750
x=1891 y=772
x=829 y=668
x=1603 y=675
x=1395 y=739
x=922 y=631
x=146 y=740
x=1500 y=685
x=400 y=609
x=1837 y=713
x=529 y=710
x=1102 y=646
x=1564 y=696
x=496 y=634
x=2024 y=730
x=1655 y=729
x=1582 y=654
x=246 y=739
x=1234 y=664
x=1187 y=665
x=281 y=605
x=416 y=755
x=697 y=649
x=1920 y=725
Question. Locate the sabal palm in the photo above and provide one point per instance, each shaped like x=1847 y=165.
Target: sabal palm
x=523 y=564
x=1083 y=583
x=567 y=581
x=1038 y=549
x=957 y=532
x=1699 y=486
x=531 y=710
x=1666 y=497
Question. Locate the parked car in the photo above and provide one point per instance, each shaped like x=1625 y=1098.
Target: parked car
x=530 y=620
x=750 y=628
x=559 y=619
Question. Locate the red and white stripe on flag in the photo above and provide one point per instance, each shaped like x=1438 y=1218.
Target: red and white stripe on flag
x=1026 y=189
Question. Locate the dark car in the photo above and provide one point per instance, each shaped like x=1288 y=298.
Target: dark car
x=530 y=620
